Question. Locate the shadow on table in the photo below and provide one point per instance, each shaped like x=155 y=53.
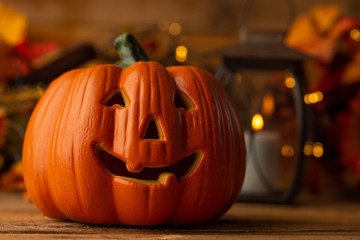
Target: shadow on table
x=218 y=227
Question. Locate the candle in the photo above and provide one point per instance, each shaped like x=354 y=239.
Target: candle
x=262 y=169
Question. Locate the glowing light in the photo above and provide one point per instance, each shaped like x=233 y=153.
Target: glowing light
x=181 y=53
x=174 y=29
x=308 y=148
x=320 y=96
x=318 y=149
x=268 y=105
x=355 y=34
x=314 y=97
x=306 y=99
x=257 y=122
x=287 y=151
x=290 y=81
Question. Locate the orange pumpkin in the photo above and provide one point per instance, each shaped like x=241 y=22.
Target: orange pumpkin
x=138 y=145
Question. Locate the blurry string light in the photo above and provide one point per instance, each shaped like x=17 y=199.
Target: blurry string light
x=287 y=151
x=355 y=34
x=290 y=81
x=175 y=29
x=181 y=53
x=308 y=148
x=314 y=97
x=316 y=149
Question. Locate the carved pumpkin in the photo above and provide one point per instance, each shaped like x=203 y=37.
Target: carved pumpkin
x=138 y=145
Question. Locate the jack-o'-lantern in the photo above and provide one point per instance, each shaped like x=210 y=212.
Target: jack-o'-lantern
x=139 y=144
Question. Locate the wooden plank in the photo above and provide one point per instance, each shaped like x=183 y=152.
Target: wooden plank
x=19 y=220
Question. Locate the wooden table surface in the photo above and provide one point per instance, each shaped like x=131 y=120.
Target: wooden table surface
x=336 y=220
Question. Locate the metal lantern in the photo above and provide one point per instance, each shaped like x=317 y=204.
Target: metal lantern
x=266 y=81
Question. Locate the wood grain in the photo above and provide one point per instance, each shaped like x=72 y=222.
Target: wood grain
x=21 y=220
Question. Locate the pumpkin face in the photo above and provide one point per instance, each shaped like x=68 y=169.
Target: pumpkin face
x=142 y=145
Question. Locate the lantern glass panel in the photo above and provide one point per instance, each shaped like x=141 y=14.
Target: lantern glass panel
x=267 y=102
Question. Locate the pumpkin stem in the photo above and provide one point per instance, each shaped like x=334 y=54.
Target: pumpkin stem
x=129 y=50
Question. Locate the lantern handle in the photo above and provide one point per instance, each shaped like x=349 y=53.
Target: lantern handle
x=244 y=18
x=129 y=50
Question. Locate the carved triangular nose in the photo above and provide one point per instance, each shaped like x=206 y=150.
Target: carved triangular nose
x=153 y=131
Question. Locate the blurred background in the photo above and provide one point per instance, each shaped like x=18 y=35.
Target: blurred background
x=41 y=39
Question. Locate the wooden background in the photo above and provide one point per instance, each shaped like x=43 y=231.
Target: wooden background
x=217 y=21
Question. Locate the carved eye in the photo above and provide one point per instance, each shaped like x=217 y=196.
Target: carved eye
x=118 y=99
x=183 y=102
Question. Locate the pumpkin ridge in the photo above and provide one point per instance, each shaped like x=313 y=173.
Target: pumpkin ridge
x=59 y=125
x=84 y=86
x=205 y=112
x=228 y=129
x=67 y=98
x=47 y=204
x=219 y=131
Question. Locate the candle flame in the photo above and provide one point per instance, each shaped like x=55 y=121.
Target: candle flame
x=257 y=122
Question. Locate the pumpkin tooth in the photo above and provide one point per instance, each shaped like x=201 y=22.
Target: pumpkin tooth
x=134 y=168
x=116 y=166
x=164 y=176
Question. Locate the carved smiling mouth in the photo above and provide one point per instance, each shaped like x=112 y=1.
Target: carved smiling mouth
x=180 y=169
